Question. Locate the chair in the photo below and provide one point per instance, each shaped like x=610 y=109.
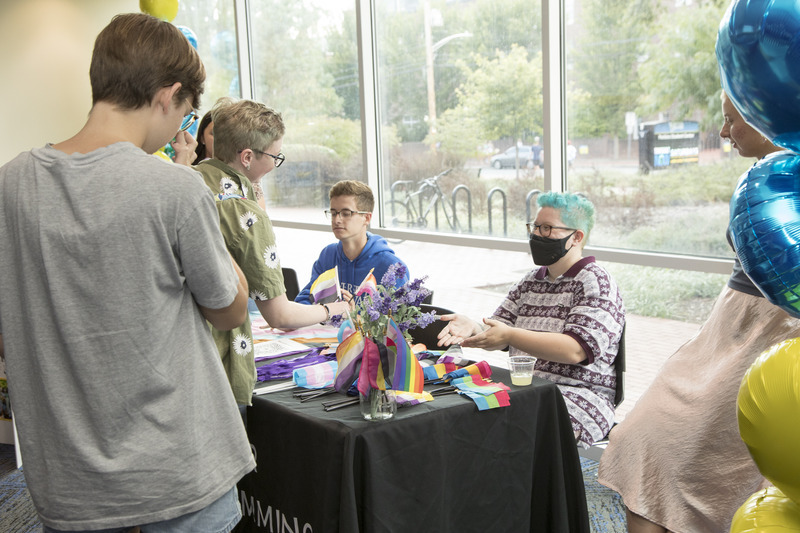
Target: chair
x=290 y=282
x=427 y=336
x=619 y=368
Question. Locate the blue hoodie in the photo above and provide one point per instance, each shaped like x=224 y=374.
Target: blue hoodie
x=376 y=254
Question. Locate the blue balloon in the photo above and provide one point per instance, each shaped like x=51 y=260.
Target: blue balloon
x=192 y=36
x=758 y=51
x=765 y=223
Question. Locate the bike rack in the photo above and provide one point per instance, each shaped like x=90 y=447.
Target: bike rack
x=395 y=185
x=469 y=205
x=532 y=194
x=505 y=209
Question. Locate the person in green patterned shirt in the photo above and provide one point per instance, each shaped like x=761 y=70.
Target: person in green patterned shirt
x=248 y=137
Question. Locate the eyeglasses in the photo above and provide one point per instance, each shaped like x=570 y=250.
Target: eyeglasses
x=344 y=213
x=544 y=229
x=279 y=159
x=188 y=120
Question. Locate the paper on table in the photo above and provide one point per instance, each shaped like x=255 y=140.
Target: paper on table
x=277 y=387
x=278 y=348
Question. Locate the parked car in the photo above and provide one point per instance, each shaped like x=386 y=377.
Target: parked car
x=508 y=158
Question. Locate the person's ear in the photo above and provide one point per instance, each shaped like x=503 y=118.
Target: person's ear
x=246 y=158
x=166 y=96
x=579 y=237
x=368 y=218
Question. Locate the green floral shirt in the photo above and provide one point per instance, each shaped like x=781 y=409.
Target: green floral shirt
x=251 y=241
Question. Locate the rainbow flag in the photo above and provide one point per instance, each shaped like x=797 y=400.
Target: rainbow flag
x=485 y=394
x=438 y=370
x=368 y=286
x=481 y=369
x=404 y=398
x=348 y=359
x=325 y=288
x=408 y=374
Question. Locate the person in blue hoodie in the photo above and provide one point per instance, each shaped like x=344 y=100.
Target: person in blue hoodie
x=358 y=250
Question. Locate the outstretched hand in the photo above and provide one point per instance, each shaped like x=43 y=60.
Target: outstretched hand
x=459 y=328
x=495 y=337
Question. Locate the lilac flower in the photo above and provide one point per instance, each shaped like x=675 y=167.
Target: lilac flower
x=373 y=314
x=417 y=283
x=426 y=319
x=402 y=303
x=390 y=277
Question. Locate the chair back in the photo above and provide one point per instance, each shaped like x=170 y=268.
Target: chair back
x=427 y=336
x=291 y=284
x=619 y=367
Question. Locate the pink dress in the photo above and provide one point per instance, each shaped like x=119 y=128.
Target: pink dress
x=677 y=459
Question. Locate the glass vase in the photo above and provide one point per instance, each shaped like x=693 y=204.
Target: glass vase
x=377 y=404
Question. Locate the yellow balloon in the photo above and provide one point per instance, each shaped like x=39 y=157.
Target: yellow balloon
x=163 y=9
x=767 y=511
x=161 y=152
x=769 y=415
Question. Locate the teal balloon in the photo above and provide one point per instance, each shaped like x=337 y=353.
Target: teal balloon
x=765 y=224
x=190 y=35
x=758 y=51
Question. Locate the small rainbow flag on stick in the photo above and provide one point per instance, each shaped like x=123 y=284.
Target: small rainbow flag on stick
x=408 y=374
x=368 y=286
x=325 y=288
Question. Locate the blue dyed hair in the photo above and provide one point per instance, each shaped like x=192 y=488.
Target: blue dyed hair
x=576 y=211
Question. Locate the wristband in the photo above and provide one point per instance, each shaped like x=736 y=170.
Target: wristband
x=327 y=313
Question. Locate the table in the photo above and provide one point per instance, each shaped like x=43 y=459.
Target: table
x=441 y=467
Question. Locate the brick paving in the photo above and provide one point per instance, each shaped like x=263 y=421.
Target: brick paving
x=473 y=281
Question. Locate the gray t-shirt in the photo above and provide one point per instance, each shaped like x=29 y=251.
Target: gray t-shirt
x=123 y=409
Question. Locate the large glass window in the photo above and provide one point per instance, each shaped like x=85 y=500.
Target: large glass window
x=210 y=24
x=643 y=121
x=460 y=113
x=305 y=65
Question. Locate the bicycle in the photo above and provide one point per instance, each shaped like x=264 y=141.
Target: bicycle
x=413 y=210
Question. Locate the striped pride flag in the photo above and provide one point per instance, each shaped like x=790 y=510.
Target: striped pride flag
x=438 y=370
x=325 y=288
x=480 y=369
x=374 y=365
x=408 y=373
x=368 y=286
x=485 y=394
x=348 y=359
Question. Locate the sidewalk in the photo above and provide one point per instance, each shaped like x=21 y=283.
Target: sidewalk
x=473 y=281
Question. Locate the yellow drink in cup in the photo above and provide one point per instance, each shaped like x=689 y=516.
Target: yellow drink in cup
x=520 y=380
x=521 y=369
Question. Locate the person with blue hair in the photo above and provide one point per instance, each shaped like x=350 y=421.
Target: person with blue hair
x=568 y=313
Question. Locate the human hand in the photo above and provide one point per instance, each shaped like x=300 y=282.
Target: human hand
x=459 y=328
x=340 y=308
x=495 y=337
x=347 y=296
x=184 y=145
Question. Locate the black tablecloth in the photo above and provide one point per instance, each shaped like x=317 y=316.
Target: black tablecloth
x=437 y=467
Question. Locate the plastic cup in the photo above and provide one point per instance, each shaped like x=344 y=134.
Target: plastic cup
x=521 y=368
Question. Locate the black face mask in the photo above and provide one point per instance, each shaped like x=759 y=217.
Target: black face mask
x=546 y=251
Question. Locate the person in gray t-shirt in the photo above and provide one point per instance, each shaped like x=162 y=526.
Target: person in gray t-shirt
x=112 y=261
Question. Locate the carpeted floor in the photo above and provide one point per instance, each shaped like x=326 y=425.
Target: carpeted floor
x=606 y=512
x=17 y=514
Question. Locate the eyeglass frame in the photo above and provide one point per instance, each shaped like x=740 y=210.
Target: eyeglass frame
x=533 y=226
x=330 y=214
x=279 y=159
x=188 y=119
